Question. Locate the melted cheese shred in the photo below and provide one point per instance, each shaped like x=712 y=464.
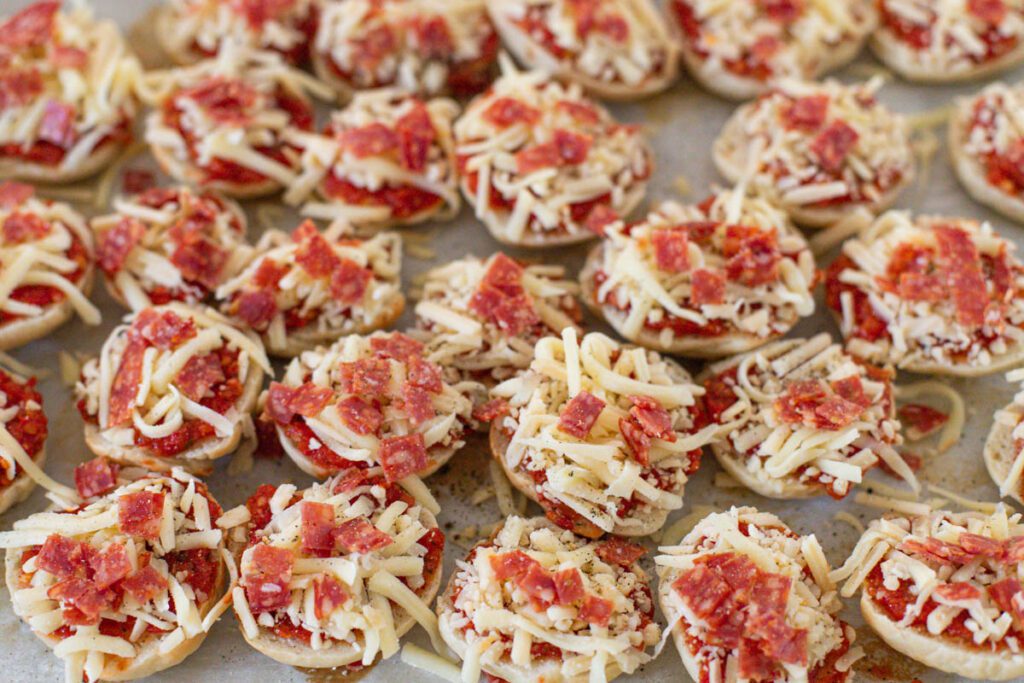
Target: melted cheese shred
x=386 y=588
x=160 y=408
x=47 y=260
x=495 y=624
x=458 y=337
x=781 y=454
x=906 y=571
x=85 y=650
x=594 y=476
x=642 y=294
x=100 y=94
x=813 y=602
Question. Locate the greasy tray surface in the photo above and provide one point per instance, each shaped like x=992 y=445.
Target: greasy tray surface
x=682 y=124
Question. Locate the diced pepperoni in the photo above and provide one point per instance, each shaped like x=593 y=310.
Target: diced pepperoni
x=739 y=571
x=18 y=87
x=425 y=375
x=512 y=565
x=110 y=566
x=349 y=281
x=145 y=584
x=836 y=412
x=921 y=287
x=350 y=481
x=702 y=590
x=256 y=308
x=126 y=381
x=783 y=11
x=116 y=243
x=368 y=377
x=84 y=597
x=652 y=417
x=307 y=399
x=504 y=274
x=13 y=194
x=807 y=402
x=372 y=140
x=1015 y=549
x=707 y=287
x=31 y=27
x=573 y=148
x=62 y=556
x=491 y=410
x=416 y=134
x=225 y=100
x=936 y=550
x=771 y=593
x=22 y=227
x=806 y=113
x=318 y=528
x=200 y=260
x=359 y=415
x=306 y=231
x=316 y=257
x=637 y=441
x=568 y=586
x=579 y=414
x=753 y=663
x=920 y=420
x=200 y=374
x=433 y=37
x=269 y=273
x=962 y=265
x=983 y=546
x=599 y=218
x=539 y=585
x=579 y=111
x=396 y=345
x=136 y=180
x=328 y=595
x=139 y=513
x=616 y=551
x=832 y=145
x=359 y=536
x=403 y=456
x=164 y=329
x=596 y=610
x=989 y=11
x=58 y=124
x=671 y=250
x=267 y=577
x=956 y=592
x=512 y=314
x=95 y=477
x=417 y=404
x=1006 y=595
x=537 y=157
x=507 y=111
x=852 y=389
x=753 y=256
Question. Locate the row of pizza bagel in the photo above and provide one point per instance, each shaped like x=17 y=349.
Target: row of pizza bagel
x=540 y=162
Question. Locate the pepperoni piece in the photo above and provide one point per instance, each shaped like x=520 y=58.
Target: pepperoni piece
x=507 y=111
x=513 y=315
x=753 y=256
x=537 y=157
x=145 y=584
x=580 y=112
x=13 y=194
x=402 y=456
x=396 y=345
x=652 y=417
x=956 y=592
x=200 y=374
x=596 y=610
x=417 y=404
x=962 y=265
x=671 y=250
x=504 y=274
x=285 y=402
x=983 y=546
x=82 y=596
x=806 y=113
x=425 y=375
x=921 y=287
x=164 y=329
x=328 y=595
x=836 y=413
x=492 y=410
x=359 y=415
x=31 y=27
x=638 y=442
x=619 y=552
x=62 y=556
x=416 y=134
x=702 y=589
x=782 y=11
x=18 y=87
x=1006 y=595
x=267 y=577
x=58 y=124
x=350 y=481
x=116 y=243
x=1015 y=549
x=317 y=530
x=368 y=377
x=936 y=550
x=349 y=281
x=565 y=149
x=359 y=536
x=707 y=287
x=225 y=100
x=22 y=227
x=579 y=414
x=539 y=585
x=568 y=586
x=852 y=389
x=599 y=218
x=256 y=308
x=126 y=381
x=110 y=566
x=316 y=256
x=200 y=260
x=920 y=420
x=95 y=477
x=989 y=11
x=573 y=148
x=136 y=180
x=512 y=565
x=832 y=145
x=269 y=273
x=807 y=402
x=372 y=140
x=139 y=513
x=753 y=663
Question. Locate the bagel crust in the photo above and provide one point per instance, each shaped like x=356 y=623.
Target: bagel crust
x=657 y=437
x=224 y=388
x=1002 y=452
x=310 y=288
x=754 y=283
x=710 y=581
x=980 y=291
x=965 y=563
x=563 y=131
x=145 y=587
x=618 y=73
x=591 y=591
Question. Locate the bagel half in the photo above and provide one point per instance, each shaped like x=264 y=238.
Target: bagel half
x=44 y=174
x=22 y=486
x=903 y=60
x=24 y=330
x=1000 y=450
x=190 y=174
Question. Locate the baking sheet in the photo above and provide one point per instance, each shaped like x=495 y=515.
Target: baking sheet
x=682 y=124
